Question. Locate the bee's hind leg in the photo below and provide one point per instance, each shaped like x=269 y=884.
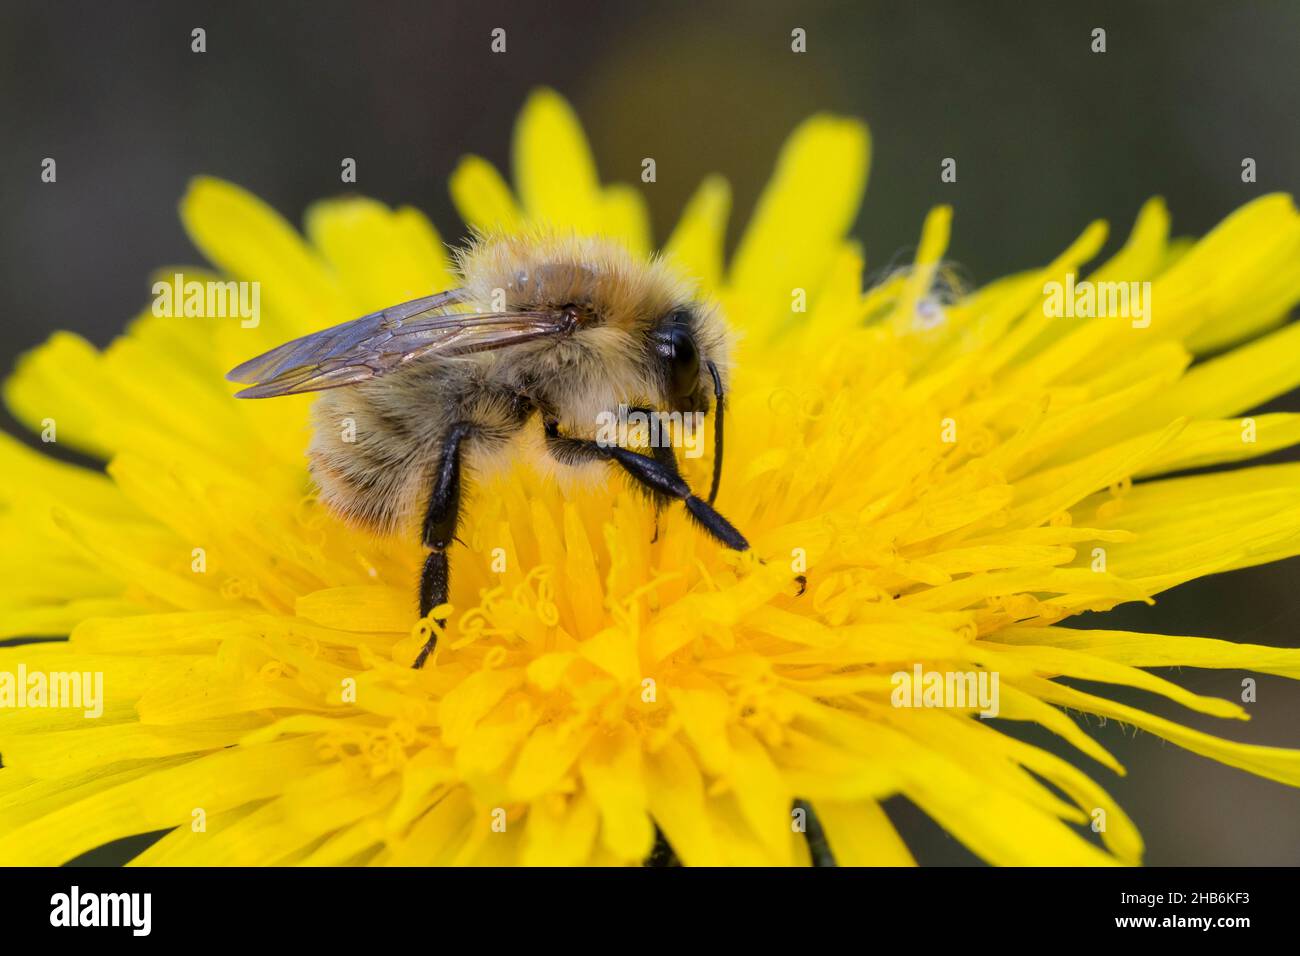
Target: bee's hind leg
x=440 y=523
x=658 y=475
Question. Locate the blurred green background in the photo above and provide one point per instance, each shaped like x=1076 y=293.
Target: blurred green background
x=1048 y=136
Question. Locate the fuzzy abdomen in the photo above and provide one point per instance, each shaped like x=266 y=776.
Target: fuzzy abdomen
x=369 y=471
x=376 y=445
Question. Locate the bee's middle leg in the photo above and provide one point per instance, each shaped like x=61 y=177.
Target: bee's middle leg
x=658 y=475
x=440 y=523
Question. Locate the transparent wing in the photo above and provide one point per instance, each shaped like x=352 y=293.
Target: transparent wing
x=375 y=344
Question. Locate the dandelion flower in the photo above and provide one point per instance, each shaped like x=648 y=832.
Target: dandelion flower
x=952 y=477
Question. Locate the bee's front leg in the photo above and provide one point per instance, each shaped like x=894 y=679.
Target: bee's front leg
x=440 y=523
x=658 y=475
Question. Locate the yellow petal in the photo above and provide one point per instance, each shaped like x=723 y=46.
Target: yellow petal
x=696 y=242
x=553 y=167
x=625 y=216
x=612 y=775
x=482 y=196
x=248 y=240
x=803 y=213
x=1161 y=650
x=371 y=252
x=676 y=793
x=163 y=799
x=859 y=834
x=560 y=832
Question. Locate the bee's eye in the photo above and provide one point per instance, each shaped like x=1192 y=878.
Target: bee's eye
x=685 y=362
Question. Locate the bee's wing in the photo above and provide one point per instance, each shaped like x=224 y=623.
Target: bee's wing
x=375 y=344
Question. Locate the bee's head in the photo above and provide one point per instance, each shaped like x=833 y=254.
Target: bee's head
x=636 y=321
x=684 y=346
x=689 y=346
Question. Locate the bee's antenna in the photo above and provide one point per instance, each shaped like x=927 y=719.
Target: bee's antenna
x=717 y=432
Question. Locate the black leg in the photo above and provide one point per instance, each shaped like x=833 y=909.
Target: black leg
x=440 y=523
x=663 y=453
x=661 y=480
